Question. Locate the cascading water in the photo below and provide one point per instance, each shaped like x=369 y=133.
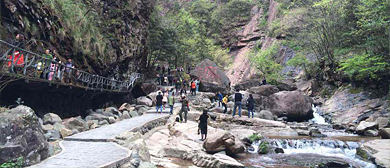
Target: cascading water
x=327 y=148
x=318 y=119
x=325 y=127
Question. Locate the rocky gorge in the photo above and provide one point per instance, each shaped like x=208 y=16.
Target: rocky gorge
x=300 y=120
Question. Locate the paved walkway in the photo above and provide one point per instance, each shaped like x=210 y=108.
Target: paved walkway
x=107 y=133
x=86 y=154
x=94 y=148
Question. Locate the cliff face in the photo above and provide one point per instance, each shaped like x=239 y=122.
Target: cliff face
x=249 y=35
x=106 y=37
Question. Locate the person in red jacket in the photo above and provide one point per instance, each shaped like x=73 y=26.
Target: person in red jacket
x=193 y=88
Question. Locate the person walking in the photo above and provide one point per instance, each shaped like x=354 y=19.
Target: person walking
x=197 y=84
x=171 y=102
x=166 y=83
x=237 y=103
x=159 y=102
x=69 y=65
x=224 y=103
x=220 y=97
x=165 y=98
x=185 y=107
x=183 y=91
x=177 y=85
x=251 y=106
x=203 y=124
x=193 y=88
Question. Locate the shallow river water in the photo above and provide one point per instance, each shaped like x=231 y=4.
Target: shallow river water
x=304 y=151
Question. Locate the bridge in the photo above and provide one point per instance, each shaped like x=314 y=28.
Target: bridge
x=18 y=63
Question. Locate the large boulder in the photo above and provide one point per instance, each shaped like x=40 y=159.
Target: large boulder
x=144 y=101
x=223 y=141
x=286 y=85
x=97 y=116
x=51 y=118
x=212 y=78
x=365 y=126
x=384 y=133
x=294 y=105
x=217 y=160
x=265 y=90
x=265 y=114
x=75 y=123
x=148 y=88
x=126 y=106
x=376 y=150
x=21 y=135
x=247 y=84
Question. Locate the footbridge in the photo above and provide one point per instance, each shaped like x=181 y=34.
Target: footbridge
x=18 y=63
x=49 y=86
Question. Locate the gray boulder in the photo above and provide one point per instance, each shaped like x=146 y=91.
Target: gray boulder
x=51 y=118
x=97 y=116
x=21 y=134
x=365 y=126
x=111 y=110
x=223 y=141
x=265 y=114
x=384 y=133
x=125 y=115
x=74 y=123
x=133 y=114
x=294 y=105
x=265 y=90
x=144 y=101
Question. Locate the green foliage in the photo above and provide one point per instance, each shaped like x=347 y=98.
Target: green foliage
x=255 y=137
x=365 y=66
x=347 y=36
x=194 y=31
x=266 y=63
x=81 y=24
x=300 y=60
x=264 y=147
x=16 y=163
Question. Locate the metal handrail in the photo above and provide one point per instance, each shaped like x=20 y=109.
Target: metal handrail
x=55 y=70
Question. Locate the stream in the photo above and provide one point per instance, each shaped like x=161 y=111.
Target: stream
x=338 y=149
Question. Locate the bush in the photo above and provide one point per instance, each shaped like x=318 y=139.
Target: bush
x=15 y=163
x=266 y=63
x=300 y=60
x=365 y=67
x=264 y=147
x=255 y=137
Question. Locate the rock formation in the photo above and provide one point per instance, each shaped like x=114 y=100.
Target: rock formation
x=21 y=135
x=212 y=78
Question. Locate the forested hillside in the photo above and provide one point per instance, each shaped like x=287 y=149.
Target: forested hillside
x=338 y=42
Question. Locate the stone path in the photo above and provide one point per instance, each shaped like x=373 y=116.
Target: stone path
x=107 y=133
x=94 y=148
x=86 y=154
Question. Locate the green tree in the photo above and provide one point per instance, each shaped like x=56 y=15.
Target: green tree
x=265 y=61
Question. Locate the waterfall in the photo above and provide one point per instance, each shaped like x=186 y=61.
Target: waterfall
x=318 y=119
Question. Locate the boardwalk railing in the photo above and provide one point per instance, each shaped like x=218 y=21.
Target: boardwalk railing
x=24 y=63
